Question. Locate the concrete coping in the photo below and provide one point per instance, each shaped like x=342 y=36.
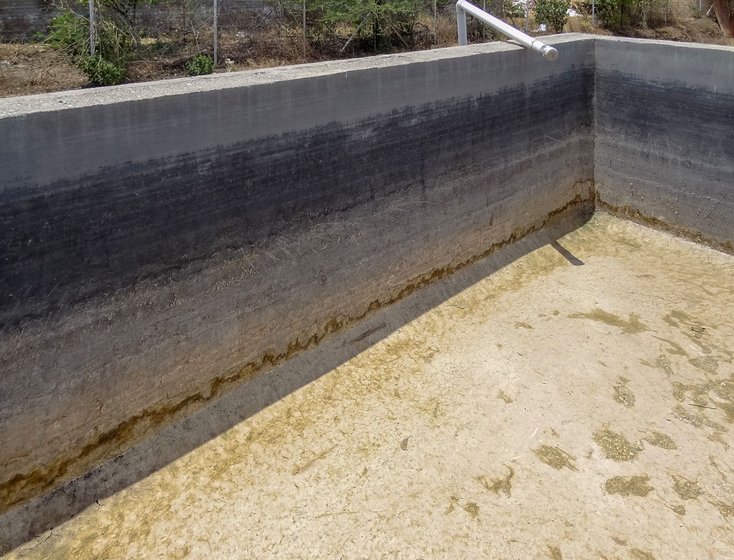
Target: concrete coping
x=73 y=99
x=46 y=102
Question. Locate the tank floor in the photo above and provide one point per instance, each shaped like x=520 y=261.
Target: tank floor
x=575 y=403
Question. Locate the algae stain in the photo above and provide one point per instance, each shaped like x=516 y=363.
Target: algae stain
x=658 y=439
x=675 y=317
x=628 y=486
x=725 y=390
x=698 y=393
x=664 y=363
x=555 y=457
x=705 y=363
x=728 y=408
x=623 y=394
x=453 y=501
x=679 y=391
x=726 y=510
x=554 y=553
x=433 y=409
x=680 y=509
x=498 y=485
x=638 y=554
x=695 y=420
x=675 y=348
x=686 y=489
x=181 y=552
x=616 y=446
x=632 y=325
x=472 y=509
x=504 y=396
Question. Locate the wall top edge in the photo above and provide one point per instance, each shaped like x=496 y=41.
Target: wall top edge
x=73 y=99
x=677 y=44
x=47 y=102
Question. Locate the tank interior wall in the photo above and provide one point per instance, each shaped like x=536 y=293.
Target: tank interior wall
x=163 y=241
x=664 y=135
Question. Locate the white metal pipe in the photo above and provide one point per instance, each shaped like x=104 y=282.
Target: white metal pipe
x=461 y=25
x=463 y=7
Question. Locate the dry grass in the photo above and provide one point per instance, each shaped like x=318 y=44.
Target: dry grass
x=26 y=69
x=259 y=42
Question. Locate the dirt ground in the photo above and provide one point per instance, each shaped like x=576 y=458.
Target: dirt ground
x=29 y=68
x=576 y=403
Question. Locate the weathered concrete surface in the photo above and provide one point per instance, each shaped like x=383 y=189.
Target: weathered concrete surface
x=151 y=180
x=158 y=250
x=575 y=402
x=664 y=135
x=165 y=243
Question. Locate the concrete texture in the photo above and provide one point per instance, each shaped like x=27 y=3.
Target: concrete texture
x=525 y=407
x=153 y=182
x=162 y=282
x=164 y=244
x=664 y=135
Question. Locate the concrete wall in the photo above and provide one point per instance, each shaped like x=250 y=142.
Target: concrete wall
x=162 y=242
x=664 y=148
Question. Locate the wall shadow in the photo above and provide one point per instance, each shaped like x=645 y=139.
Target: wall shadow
x=36 y=516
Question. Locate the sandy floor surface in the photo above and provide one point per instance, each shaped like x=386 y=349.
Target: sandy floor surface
x=576 y=403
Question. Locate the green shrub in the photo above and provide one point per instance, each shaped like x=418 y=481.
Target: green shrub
x=619 y=14
x=199 y=65
x=70 y=32
x=553 y=13
x=102 y=72
x=376 y=25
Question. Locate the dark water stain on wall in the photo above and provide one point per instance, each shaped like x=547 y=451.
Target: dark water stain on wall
x=76 y=238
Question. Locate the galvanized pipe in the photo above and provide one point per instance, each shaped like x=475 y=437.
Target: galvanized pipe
x=463 y=7
x=461 y=25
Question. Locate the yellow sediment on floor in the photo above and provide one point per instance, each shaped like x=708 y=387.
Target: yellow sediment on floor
x=557 y=408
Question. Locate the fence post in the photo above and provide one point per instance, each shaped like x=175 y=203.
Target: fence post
x=593 y=12
x=92 y=28
x=215 y=31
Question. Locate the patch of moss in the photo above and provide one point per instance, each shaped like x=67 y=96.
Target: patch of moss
x=658 y=439
x=616 y=446
x=686 y=489
x=629 y=486
x=498 y=485
x=632 y=325
x=555 y=457
x=623 y=394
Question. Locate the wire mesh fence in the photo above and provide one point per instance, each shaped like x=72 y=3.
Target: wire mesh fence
x=166 y=35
